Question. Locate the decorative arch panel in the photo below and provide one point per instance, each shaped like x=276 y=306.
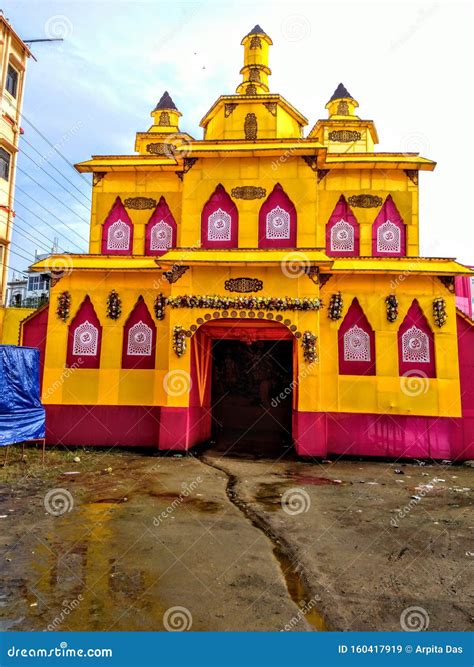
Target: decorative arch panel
x=277 y=221
x=342 y=232
x=139 y=338
x=161 y=230
x=389 y=232
x=84 y=338
x=117 y=231
x=416 y=351
x=219 y=221
x=356 y=343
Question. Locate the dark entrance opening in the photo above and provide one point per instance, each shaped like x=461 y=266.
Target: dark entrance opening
x=252 y=397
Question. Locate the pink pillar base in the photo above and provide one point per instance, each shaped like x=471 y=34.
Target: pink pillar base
x=310 y=433
x=182 y=428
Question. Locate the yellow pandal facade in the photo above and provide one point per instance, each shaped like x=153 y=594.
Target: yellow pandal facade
x=259 y=236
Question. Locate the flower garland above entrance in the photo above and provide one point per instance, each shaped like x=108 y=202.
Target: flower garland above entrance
x=247 y=302
x=64 y=305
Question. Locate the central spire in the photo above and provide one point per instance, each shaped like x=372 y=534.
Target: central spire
x=255 y=71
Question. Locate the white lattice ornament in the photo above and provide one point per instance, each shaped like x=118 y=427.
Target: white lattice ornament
x=219 y=226
x=86 y=337
x=161 y=237
x=118 y=236
x=388 y=238
x=356 y=344
x=342 y=237
x=139 y=340
x=278 y=224
x=415 y=346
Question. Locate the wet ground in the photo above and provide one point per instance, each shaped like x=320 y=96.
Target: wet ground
x=132 y=541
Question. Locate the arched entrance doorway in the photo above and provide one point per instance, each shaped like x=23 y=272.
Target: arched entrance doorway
x=244 y=374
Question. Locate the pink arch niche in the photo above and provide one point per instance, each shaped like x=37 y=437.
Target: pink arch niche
x=84 y=338
x=139 y=338
x=389 y=232
x=219 y=221
x=160 y=231
x=416 y=350
x=117 y=231
x=277 y=221
x=356 y=343
x=342 y=232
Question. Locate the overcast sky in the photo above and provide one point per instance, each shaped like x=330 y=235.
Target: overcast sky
x=409 y=65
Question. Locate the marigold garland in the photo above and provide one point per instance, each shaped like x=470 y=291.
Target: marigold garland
x=439 y=312
x=335 y=307
x=244 y=302
x=159 y=307
x=392 y=307
x=179 y=340
x=308 y=342
x=114 y=305
x=64 y=306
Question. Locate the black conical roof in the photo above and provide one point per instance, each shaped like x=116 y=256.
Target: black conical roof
x=340 y=92
x=166 y=102
x=257 y=30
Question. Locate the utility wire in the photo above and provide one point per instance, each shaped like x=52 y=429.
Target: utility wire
x=30 y=237
x=55 y=180
x=17 y=187
x=51 y=194
x=45 y=238
x=54 y=147
x=48 y=224
x=54 y=167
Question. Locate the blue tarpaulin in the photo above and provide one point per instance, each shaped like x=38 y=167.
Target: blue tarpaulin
x=22 y=416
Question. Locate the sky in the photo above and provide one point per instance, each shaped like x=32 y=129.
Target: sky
x=409 y=65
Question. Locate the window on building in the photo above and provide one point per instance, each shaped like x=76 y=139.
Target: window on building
x=12 y=81
x=4 y=164
x=356 y=343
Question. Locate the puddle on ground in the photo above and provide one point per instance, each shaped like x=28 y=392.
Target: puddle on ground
x=208 y=506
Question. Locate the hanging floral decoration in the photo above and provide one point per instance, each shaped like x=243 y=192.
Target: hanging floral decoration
x=179 y=340
x=335 y=307
x=159 y=307
x=114 y=305
x=392 y=307
x=244 y=302
x=308 y=342
x=439 y=312
x=64 y=306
